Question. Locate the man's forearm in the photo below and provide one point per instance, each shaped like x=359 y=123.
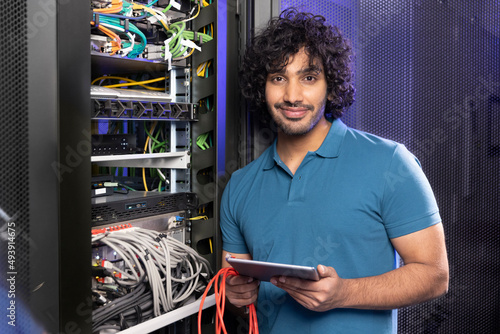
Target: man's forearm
x=411 y=284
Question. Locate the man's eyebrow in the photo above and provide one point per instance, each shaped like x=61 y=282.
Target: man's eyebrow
x=311 y=69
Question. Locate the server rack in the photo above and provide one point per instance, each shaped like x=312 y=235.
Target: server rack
x=47 y=136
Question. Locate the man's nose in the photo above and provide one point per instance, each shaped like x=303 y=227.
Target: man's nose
x=293 y=92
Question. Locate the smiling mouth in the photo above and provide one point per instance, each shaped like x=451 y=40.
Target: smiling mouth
x=293 y=111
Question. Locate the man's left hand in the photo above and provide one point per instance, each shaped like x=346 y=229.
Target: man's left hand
x=320 y=296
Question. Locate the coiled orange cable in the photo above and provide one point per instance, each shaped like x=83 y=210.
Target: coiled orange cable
x=220 y=302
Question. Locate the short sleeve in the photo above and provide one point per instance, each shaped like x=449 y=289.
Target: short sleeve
x=232 y=239
x=408 y=203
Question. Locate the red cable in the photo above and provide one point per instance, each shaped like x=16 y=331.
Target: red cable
x=220 y=302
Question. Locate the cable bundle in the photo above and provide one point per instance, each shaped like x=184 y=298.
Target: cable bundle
x=220 y=302
x=132 y=48
x=154 y=145
x=119 y=20
x=158 y=273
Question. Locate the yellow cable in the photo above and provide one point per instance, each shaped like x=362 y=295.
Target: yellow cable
x=137 y=82
x=200 y=71
x=204 y=218
x=128 y=80
x=199 y=217
x=145 y=151
x=184 y=57
x=159 y=89
x=192 y=18
x=144 y=178
x=144 y=169
x=199 y=9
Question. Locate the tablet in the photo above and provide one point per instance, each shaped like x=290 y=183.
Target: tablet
x=265 y=270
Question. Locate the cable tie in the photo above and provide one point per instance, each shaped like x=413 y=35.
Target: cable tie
x=124 y=23
x=151 y=19
x=175 y=5
x=190 y=44
x=96 y=20
x=168 y=54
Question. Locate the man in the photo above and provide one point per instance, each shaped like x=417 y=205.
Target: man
x=327 y=195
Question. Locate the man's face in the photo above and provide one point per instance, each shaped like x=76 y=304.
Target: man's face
x=296 y=96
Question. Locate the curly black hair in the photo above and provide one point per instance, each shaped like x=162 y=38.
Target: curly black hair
x=271 y=49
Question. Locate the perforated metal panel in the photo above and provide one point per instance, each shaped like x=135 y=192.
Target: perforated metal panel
x=14 y=186
x=428 y=76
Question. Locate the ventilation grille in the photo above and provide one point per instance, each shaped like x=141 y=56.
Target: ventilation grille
x=426 y=73
x=14 y=164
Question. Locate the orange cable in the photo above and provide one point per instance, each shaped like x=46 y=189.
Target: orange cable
x=116 y=40
x=116 y=7
x=220 y=301
x=110 y=10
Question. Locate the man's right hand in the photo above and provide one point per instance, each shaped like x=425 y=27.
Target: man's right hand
x=242 y=290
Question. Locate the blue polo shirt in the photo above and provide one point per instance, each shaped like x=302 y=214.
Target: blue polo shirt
x=340 y=209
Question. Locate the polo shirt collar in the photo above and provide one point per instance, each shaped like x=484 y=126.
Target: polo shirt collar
x=330 y=148
x=333 y=141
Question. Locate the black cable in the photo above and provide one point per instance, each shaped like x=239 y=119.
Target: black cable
x=123 y=323
x=130 y=315
x=138 y=311
x=115 y=307
x=118 y=305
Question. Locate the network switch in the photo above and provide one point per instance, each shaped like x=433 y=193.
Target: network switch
x=138 y=204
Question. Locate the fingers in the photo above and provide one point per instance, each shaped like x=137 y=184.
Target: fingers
x=241 y=290
x=325 y=271
x=314 y=295
x=239 y=280
x=293 y=283
x=301 y=286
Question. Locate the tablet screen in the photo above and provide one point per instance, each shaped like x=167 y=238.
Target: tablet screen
x=265 y=270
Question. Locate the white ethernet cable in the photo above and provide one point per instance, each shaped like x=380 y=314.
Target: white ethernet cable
x=150 y=257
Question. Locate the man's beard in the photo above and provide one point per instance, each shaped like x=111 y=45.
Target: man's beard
x=286 y=125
